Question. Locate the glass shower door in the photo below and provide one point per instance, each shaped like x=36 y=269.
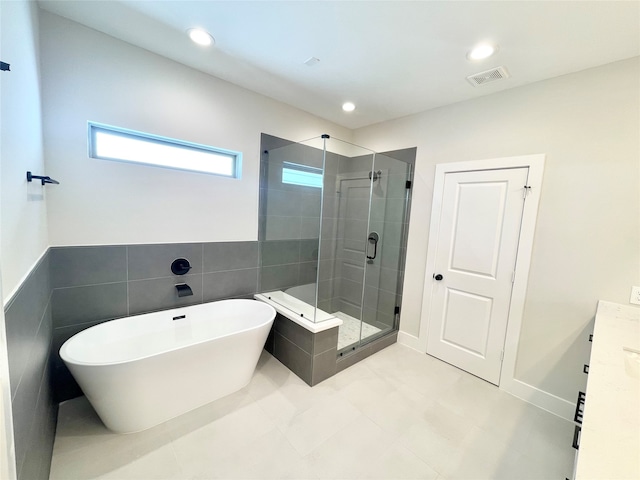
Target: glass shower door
x=290 y=209
x=371 y=201
x=351 y=205
x=333 y=221
x=385 y=246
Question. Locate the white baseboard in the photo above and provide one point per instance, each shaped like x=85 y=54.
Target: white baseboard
x=530 y=394
x=541 y=399
x=410 y=341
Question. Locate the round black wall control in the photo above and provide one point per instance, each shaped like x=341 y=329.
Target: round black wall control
x=180 y=266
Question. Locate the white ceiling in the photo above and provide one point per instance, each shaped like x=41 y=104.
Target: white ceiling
x=391 y=58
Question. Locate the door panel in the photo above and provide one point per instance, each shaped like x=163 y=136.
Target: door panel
x=458 y=331
x=476 y=253
x=478 y=227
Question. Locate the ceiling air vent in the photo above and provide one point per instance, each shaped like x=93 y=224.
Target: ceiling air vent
x=488 y=76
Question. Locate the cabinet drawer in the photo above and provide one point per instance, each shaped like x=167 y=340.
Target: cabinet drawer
x=577 y=417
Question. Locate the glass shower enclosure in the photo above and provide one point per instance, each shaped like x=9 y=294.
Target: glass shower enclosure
x=332 y=231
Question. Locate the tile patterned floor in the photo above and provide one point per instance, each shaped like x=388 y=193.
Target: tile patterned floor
x=396 y=415
x=349 y=331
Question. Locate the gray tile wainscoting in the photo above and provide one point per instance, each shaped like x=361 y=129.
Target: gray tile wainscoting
x=92 y=285
x=153 y=294
x=89 y=303
x=311 y=356
x=287 y=263
x=314 y=356
x=28 y=323
x=75 y=266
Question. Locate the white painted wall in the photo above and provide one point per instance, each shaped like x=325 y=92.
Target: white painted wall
x=91 y=76
x=586 y=123
x=7 y=446
x=587 y=242
x=23 y=210
x=23 y=225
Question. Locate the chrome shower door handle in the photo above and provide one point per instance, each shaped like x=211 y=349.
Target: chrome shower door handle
x=373 y=240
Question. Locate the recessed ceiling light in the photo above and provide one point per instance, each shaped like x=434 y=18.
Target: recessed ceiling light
x=348 y=107
x=482 y=51
x=201 y=37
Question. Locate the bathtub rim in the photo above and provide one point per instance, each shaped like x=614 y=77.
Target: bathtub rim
x=65 y=358
x=295 y=317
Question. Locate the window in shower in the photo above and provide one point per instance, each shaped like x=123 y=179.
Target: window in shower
x=296 y=174
x=113 y=143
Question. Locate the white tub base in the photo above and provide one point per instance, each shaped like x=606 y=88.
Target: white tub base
x=180 y=364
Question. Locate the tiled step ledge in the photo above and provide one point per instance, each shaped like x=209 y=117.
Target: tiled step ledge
x=277 y=298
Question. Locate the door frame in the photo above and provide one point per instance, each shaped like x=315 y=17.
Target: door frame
x=535 y=163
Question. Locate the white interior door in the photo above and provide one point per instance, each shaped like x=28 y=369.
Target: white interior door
x=477 y=245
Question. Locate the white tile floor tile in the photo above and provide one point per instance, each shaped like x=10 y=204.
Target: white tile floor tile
x=311 y=428
x=362 y=439
x=396 y=415
x=200 y=451
x=256 y=461
x=439 y=452
x=399 y=463
x=159 y=464
x=396 y=411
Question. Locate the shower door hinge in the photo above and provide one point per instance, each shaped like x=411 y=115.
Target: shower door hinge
x=527 y=189
x=396 y=310
x=407 y=184
x=502 y=355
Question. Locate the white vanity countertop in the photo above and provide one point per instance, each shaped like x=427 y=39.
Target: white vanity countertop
x=610 y=437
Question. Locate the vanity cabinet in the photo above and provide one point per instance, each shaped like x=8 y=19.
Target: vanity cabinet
x=607 y=417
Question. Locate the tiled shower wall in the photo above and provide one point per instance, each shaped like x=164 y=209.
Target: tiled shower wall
x=289 y=217
x=290 y=221
x=286 y=263
x=384 y=275
x=95 y=284
x=29 y=332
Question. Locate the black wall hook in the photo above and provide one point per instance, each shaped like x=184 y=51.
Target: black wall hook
x=44 y=180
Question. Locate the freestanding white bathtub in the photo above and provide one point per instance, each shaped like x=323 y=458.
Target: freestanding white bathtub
x=140 y=371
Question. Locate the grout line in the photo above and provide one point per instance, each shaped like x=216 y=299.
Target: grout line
x=90 y=285
x=33 y=419
x=222 y=271
x=295 y=345
x=202 y=263
x=127 y=260
x=202 y=274
x=285 y=264
x=44 y=312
